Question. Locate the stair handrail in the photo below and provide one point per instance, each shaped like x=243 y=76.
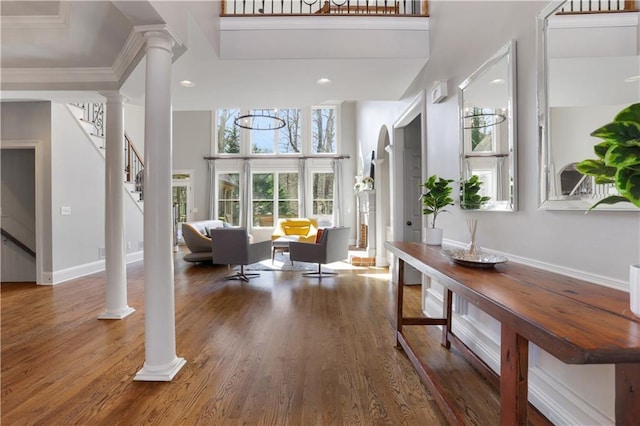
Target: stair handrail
x=17 y=242
x=133 y=163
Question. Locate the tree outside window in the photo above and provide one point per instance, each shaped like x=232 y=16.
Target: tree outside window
x=287 y=140
x=275 y=195
x=290 y=136
x=262 y=200
x=288 y=195
x=323 y=122
x=229 y=198
x=228 y=133
x=322 y=194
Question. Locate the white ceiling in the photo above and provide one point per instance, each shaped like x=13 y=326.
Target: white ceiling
x=92 y=34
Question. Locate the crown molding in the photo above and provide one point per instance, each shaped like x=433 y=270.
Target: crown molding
x=61 y=20
x=58 y=75
x=128 y=53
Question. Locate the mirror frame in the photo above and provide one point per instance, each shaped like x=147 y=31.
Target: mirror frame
x=507 y=51
x=543 y=109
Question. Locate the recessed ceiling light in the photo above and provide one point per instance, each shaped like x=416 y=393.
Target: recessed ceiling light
x=497 y=81
x=187 y=83
x=323 y=80
x=632 y=79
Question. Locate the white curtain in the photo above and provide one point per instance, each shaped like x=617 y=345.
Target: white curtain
x=245 y=196
x=337 y=192
x=302 y=187
x=212 y=189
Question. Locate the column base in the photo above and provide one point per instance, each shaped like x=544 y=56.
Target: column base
x=163 y=373
x=117 y=315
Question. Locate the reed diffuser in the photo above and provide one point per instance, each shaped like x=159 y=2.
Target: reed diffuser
x=473 y=248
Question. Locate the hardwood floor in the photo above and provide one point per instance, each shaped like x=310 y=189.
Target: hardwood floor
x=280 y=350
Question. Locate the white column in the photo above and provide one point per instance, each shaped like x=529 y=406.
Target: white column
x=115 y=249
x=161 y=362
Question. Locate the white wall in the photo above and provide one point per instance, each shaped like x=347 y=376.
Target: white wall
x=134 y=125
x=602 y=244
x=78 y=183
x=191 y=143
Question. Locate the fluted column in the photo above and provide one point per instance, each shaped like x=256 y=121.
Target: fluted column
x=161 y=362
x=114 y=229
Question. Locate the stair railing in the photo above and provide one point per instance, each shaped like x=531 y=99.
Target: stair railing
x=599 y=6
x=133 y=166
x=94 y=114
x=17 y=242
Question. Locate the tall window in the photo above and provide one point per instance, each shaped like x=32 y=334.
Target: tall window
x=262 y=199
x=323 y=122
x=288 y=195
x=290 y=136
x=229 y=198
x=287 y=140
x=275 y=195
x=228 y=132
x=322 y=194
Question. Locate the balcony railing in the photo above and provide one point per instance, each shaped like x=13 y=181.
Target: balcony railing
x=599 y=6
x=325 y=7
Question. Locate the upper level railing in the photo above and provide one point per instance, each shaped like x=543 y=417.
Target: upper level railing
x=599 y=6
x=325 y=7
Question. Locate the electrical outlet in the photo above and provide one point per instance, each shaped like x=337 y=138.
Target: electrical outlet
x=101 y=253
x=65 y=210
x=128 y=245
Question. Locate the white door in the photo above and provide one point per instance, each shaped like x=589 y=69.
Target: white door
x=412 y=205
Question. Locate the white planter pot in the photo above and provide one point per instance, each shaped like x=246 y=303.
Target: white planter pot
x=634 y=289
x=433 y=236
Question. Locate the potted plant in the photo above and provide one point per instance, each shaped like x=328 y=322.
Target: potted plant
x=469 y=197
x=434 y=201
x=618 y=159
x=618 y=163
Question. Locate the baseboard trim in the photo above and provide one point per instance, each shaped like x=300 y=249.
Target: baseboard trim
x=64 y=275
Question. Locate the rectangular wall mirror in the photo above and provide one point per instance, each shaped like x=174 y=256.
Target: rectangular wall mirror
x=588 y=70
x=488 y=134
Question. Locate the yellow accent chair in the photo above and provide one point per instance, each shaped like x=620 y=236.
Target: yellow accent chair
x=300 y=229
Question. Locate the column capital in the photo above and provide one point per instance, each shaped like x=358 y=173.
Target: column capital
x=113 y=96
x=158 y=36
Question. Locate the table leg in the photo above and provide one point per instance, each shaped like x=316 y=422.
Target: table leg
x=446 y=308
x=399 y=300
x=627 y=394
x=514 y=371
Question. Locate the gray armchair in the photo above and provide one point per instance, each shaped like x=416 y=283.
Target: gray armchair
x=232 y=247
x=333 y=246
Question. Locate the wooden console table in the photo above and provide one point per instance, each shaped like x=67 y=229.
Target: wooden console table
x=573 y=320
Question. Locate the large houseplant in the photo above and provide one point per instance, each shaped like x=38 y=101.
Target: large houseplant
x=434 y=201
x=618 y=159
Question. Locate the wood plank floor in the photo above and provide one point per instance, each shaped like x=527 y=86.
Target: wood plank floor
x=280 y=350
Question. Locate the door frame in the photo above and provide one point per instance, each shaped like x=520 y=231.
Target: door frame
x=39 y=185
x=416 y=108
x=189 y=183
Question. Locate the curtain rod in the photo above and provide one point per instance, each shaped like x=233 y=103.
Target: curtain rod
x=255 y=157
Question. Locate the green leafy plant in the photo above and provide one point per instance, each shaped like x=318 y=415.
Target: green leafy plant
x=618 y=159
x=437 y=197
x=469 y=197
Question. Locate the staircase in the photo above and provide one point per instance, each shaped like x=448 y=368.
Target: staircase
x=91 y=117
